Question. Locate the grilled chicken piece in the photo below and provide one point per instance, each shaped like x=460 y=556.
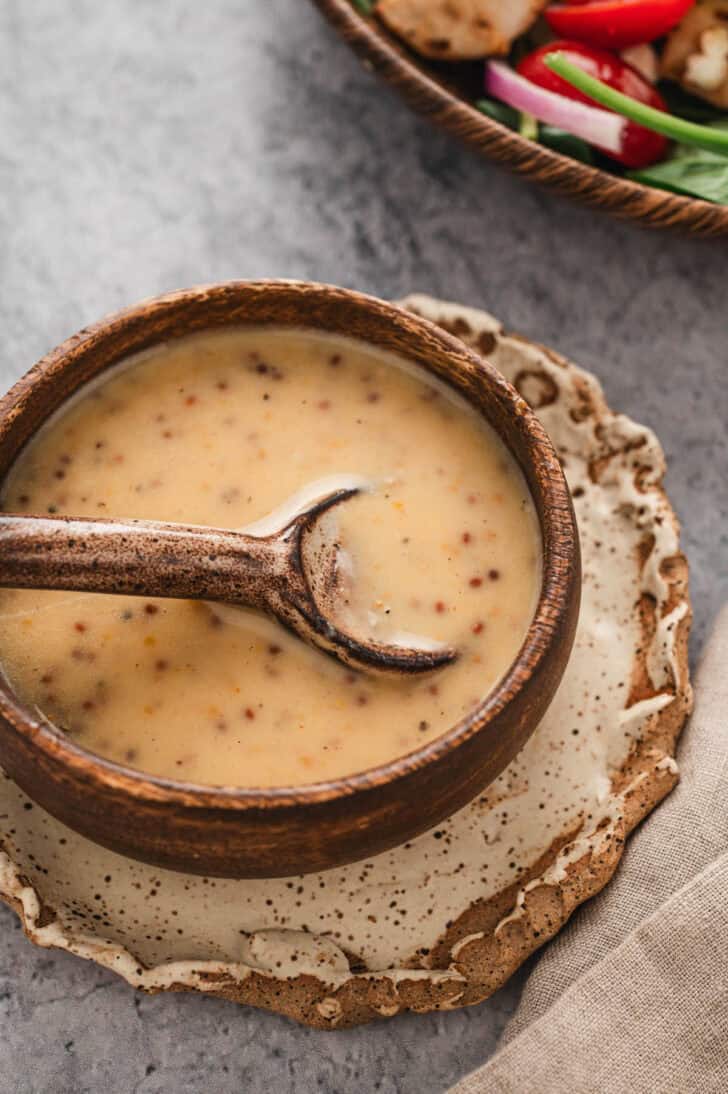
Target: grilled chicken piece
x=696 y=53
x=459 y=30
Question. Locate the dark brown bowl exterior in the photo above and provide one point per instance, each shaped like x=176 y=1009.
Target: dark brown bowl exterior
x=284 y=831
x=444 y=94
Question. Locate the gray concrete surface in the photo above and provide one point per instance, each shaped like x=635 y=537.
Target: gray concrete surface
x=147 y=146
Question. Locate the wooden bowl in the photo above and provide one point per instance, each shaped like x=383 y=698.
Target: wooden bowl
x=444 y=93
x=239 y=832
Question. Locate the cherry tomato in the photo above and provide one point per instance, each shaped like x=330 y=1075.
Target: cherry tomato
x=616 y=24
x=642 y=147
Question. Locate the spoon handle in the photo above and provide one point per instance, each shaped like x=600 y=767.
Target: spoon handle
x=290 y=575
x=138 y=558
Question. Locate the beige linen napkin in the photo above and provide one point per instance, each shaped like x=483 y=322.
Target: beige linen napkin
x=632 y=998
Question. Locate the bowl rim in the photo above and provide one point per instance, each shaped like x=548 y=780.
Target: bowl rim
x=407 y=74
x=559 y=575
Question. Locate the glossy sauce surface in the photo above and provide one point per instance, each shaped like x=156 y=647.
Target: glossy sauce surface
x=221 y=429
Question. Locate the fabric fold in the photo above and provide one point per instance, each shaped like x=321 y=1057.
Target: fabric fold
x=633 y=995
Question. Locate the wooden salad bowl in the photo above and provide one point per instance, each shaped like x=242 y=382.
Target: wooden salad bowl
x=445 y=94
x=242 y=832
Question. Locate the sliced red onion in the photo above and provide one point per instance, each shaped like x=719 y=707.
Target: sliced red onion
x=591 y=123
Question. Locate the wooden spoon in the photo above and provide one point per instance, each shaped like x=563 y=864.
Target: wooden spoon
x=291 y=574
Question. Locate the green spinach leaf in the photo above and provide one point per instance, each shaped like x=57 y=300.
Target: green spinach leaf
x=499 y=112
x=691 y=171
x=548 y=135
x=566 y=143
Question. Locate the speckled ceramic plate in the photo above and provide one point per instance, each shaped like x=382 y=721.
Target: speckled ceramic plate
x=443 y=921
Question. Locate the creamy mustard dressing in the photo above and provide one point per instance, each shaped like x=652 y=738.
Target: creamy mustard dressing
x=222 y=429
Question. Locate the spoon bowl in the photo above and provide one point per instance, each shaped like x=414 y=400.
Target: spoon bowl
x=288 y=830
x=291 y=574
